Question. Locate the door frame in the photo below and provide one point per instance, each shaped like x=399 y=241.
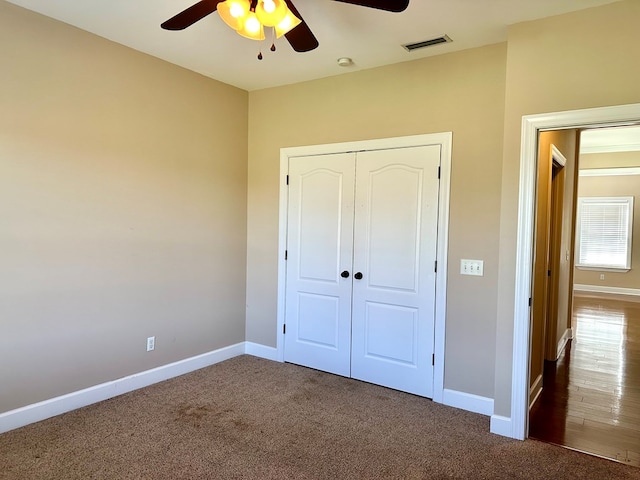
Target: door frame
x=445 y=141
x=558 y=162
x=517 y=425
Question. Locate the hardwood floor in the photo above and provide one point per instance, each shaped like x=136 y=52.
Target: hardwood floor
x=591 y=395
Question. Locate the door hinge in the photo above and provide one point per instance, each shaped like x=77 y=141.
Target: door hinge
x=548 y=273
x=284 y=328
x=529 y=301
x=439 y=173
x=435 y=268
x=286 y=254
x=287 y=179
x=433 y=359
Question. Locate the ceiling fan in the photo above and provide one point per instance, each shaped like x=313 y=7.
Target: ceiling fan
x=299 y=36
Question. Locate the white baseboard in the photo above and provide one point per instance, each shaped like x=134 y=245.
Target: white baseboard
x=605 y=289
x=501 y=426
x=535 y=391
x=65 y=403
x=468 y=401
x=568 y=335
x=262 y=351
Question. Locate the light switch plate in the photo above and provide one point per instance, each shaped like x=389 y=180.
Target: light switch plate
x=472 y=267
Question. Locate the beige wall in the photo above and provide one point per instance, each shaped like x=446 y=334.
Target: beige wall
x=609 y=160
x=579 y=60
x=461 y=92
x=613 y=186
x=122 y=210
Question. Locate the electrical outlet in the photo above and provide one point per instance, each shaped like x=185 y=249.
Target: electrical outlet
x=602 y=276
x=151 y=343
x=472 y=267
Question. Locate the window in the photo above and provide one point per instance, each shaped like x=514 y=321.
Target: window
x=604 y=232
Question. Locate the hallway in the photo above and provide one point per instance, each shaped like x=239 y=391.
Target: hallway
x=591 y=396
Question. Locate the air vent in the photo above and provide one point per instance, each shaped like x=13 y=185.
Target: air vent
x=410 y=47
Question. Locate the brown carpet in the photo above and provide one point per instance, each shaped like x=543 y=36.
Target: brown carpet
x=252 y=418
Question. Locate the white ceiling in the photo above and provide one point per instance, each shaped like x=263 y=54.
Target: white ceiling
x=371 y=37
x=615 y=139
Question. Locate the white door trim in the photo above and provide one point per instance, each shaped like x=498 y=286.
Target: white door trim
x=531 y=126
x=557 y=157
x=442 y=139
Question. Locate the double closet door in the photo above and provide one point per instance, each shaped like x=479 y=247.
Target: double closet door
x=360 y=272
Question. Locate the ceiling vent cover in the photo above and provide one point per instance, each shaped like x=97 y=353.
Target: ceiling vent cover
x=410 y=47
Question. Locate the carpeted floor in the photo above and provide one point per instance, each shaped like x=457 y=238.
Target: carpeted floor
x=255 y=419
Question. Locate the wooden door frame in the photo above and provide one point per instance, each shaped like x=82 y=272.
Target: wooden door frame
x=445 y=142
x=516 y=425
x=558 y=162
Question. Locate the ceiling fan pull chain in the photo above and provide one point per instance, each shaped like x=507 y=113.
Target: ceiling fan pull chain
x=262 y=44
x=273 y=40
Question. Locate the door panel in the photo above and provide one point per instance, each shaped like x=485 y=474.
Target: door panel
x=320 y=246
x=389 y=341
x=319 y=216
x=310 y=308
x=395 y=250
x=393 y=226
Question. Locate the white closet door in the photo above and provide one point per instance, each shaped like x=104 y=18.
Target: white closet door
x=320 y=246
x=395 y=251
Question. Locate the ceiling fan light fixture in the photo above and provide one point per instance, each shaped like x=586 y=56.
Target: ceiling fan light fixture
x=271 y=12
x=251 y=27
x=234 y=12
x=288 y=23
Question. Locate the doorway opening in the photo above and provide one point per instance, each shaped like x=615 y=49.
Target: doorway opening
x=516 y=425
x=587 y=393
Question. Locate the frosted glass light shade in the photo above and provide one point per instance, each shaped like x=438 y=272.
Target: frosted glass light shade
x=234 y=12
x=251 y=27
x=271 y=12
x=288 y=23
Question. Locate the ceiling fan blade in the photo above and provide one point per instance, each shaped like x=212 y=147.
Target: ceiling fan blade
x=388 y=5
x=191 y=15
x=301 y=37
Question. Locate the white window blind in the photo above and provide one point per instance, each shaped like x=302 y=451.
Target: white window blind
x=604 y=232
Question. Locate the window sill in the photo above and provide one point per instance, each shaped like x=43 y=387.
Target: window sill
x=603 y=269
